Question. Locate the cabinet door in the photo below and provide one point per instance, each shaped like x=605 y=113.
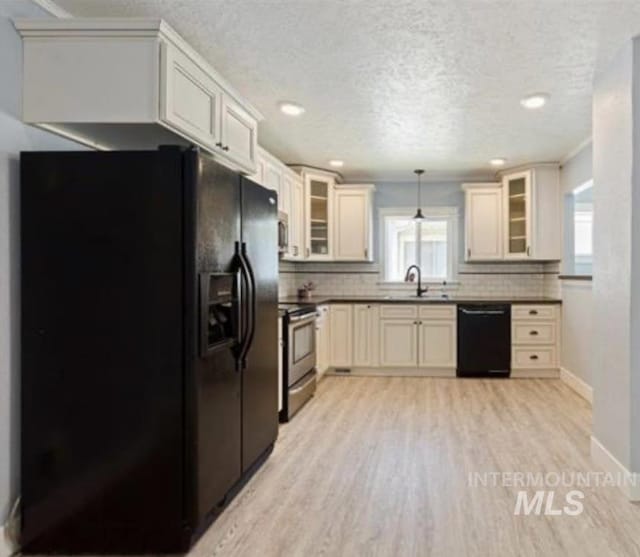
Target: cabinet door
x=437 y=343
x=398 y=343
x=517 y=208
x=341 y=323
x=284 y=194
x=297 y=219
x=483 y=224
x=351 y=218
x=322 y=345
x=273 y=178
x=318 y=192
x=190 y=101
x=365 y=335
x=238 y=135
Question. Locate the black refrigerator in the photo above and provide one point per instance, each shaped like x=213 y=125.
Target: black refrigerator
x=149 y=346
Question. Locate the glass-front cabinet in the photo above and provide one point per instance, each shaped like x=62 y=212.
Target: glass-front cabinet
x=319 y=195
x=517 y=191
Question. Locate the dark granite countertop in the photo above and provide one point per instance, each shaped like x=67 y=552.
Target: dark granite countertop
x=320 y=299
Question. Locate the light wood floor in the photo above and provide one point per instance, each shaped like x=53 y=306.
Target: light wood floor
x=379 y=466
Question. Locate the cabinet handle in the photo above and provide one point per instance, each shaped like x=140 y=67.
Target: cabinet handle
x=528 y=251
x=366 y=253
x=533 y=357
x=533 y=333
x=308 y=252
x=533 y=312
x=468 y=252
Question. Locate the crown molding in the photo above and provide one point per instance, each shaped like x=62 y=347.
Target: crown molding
x=52 y=8
x=584 y=143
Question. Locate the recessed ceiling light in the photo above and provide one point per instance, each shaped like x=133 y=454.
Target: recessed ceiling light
x=337 y=163
x=498 y=162
x=537 y=100
x=291 y=109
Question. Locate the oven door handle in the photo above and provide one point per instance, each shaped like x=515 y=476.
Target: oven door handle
x=297 y=318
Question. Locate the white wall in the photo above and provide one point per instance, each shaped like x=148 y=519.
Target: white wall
x=577 y=303
x=14 y=137
x=615 y=290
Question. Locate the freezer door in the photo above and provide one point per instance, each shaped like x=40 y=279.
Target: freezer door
x=214 y=400
x=260 y=376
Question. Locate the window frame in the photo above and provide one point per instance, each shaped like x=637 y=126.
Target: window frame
x=450 y=214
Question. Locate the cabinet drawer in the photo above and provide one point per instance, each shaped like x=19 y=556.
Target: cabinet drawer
x=398 y=311
x=437 y=311
x=526 y=332
x=542 y=357
x=533 y=313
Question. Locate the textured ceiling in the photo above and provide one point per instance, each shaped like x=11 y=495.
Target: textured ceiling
x=391 y=85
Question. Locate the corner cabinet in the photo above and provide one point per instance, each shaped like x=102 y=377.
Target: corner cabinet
x=518 y=219
x=352 y=222
x=131 y=84
x=483 y=222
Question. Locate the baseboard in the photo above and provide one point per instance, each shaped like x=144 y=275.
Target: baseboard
x=578 y=385
x=630 y=482
x=524 y=373
x=394 y=372
x=5 y=548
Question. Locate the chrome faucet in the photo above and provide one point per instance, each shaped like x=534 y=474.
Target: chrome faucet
x=420 y=291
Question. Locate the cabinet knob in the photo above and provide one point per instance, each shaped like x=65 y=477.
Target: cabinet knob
x=533 y=312
x=225 y=148
x=533 y=333
x=533 y=357
x=218 y=144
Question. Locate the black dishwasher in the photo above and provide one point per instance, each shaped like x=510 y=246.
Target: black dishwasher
x=484 y=340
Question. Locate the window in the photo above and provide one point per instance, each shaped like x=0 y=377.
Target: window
x=579 y=234
x=430 y=244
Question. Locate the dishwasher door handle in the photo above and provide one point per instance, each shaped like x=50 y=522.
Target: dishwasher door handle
x=482 y=312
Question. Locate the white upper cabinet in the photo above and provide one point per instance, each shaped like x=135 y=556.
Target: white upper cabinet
x=352 y=222
x=318 y=189
x=517 y=206
x=533 y=211
x=297 y=219
x=483 y=222
x=192 y=101
x=517 y=220
x=132 y=83
x=239 y=134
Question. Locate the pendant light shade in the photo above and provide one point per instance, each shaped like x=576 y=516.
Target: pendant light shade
x=419 y=216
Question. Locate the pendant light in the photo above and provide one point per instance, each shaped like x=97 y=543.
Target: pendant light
x=419 y=216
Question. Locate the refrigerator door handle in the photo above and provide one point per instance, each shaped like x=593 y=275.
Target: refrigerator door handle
x=243 y=307
x=252 y=303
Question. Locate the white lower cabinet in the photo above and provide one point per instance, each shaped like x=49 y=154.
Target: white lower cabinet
x=341 y=346
x=535 y=340
x=365 y=335
x=437 y=340
x=323 y=339
x=398 y=343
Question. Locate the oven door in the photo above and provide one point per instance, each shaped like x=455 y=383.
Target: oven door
x=301 y=346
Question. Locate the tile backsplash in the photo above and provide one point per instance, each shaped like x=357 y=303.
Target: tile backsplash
x=473 y=279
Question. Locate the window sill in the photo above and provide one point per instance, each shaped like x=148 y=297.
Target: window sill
x=386 y=285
